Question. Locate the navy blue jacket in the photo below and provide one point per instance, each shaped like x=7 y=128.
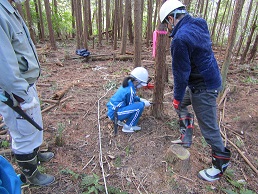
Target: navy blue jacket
x=193 y=61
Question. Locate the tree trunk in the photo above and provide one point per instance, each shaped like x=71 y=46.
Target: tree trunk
x=149 y=22
x=215 y=21
x=161 y=73
x=107 y=19
x=50 y=26
x=78 y=15
x=41 y=21
x=249 y=40
x=221 y=23
x=253 y=50
x=100 y=22
x=29 y=21
x=85 y=24
x=231 y=41
x=137 y=33
x=229 y=17
x=125 y=26
x=243 y=33
x=130 y=26
x=115 y=23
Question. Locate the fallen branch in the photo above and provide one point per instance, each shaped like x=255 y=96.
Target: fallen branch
x=88 y=162
x=241 y=153
x=52 y=106
x=6 y=152
x=227 y=90
x=3 y=132
x=2 y=125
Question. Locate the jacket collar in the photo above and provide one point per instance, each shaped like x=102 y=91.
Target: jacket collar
x=8 y=6
x=184 y=20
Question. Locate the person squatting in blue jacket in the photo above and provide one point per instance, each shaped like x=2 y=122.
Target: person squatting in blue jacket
x=197 y=81
x=126 y=103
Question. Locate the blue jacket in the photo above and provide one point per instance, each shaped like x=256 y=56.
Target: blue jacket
x=193 y=61
x=123 y=97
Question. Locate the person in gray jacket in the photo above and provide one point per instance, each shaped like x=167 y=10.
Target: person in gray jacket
x=20 y=70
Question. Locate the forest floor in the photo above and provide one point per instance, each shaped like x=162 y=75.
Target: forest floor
x=77 y=131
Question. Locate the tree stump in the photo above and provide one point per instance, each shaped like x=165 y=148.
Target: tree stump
x=179 y=157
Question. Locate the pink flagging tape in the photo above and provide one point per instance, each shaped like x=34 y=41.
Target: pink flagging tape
x=155 y=33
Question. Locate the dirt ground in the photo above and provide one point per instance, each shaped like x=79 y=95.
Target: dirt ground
x=81 y=136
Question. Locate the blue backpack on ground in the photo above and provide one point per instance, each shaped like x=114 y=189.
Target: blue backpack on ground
x=10 y=182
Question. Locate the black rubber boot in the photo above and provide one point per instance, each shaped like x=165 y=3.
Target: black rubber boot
x=220 y=162
x=45 y=156
x=186 y=129
x=28 y=164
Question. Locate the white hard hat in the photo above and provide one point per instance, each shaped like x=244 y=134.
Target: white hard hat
x=167 y=7
x=141 y=74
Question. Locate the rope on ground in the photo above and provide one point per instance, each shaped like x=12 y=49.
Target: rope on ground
x=100 y=146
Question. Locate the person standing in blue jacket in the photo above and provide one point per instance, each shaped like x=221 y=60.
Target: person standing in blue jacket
x=197 y=81
x=126 y=104
x=20 y=70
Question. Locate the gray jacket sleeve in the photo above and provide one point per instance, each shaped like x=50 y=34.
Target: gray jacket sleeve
x=10 y=76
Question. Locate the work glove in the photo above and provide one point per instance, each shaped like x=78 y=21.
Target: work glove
x=29 y=105
x=176 y=104
x=142 y=99
x=146 y=102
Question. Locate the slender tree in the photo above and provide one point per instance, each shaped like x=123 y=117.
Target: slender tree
x=249 y=40
x=100 y=22
x=130 y=26
x=253 y=50
x=231 y=40
x=242 y=34
x=137 y=33
x=50 y=26
x=29 y=21
x=107 y=19
x=149 y=21
x=85 y=24
x=125 y=26
x=215 y=21
x=115 y=23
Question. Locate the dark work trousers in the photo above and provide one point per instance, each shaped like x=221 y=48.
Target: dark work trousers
x=205 y=109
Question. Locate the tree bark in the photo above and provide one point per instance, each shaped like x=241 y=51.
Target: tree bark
x=50 y=26
x=29 y=21
x=161 y=73
x=231 y=41
x=85 y=24
x=243 y=33
x=248 y=43
x=125 y=26
x=107 y=19
x=149 y=22
x=137 y=33
x=100 y=22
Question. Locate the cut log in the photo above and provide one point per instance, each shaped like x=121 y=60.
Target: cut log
x=179 y=158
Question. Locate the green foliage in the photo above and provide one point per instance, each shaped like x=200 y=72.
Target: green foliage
x=67 y=171
x=5 y=144
x=173 y=124
x=127 y=150
x=42 y=169
x=250 y=80
x=204 y=143
x=239 y=186
x=92 y=185
x=60 y=128
x=118 y=161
